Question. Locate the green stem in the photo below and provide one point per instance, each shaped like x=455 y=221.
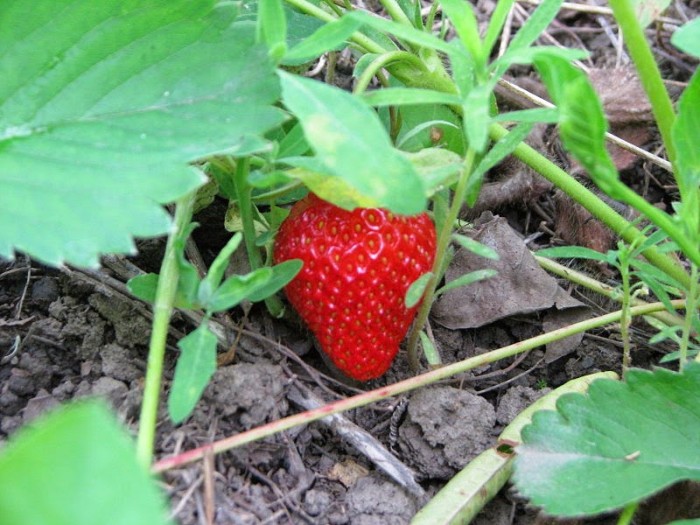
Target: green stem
x=627 y=514
x=394 y=10
x=443 y=242
x=648 y=71
x=395 y=389
x=162 y=309
x=593 y=204
x=603 y=289
x=382 y=61
x=245 y=208
x=625 y=318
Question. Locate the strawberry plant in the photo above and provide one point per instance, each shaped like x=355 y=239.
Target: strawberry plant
x=108 y=113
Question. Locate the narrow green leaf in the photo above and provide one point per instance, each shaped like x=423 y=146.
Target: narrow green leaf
x=572 y=252
x=626 y=439
x=462 y=17
x=351 y=142
x=528 y=55
x=408 y=96
x=282 y=274
x=416 y=290
x=496 y=22
x=496 y=154
x=531 y=30
x=195 y=366
x=102 y=109
x=272 y=27
x=687 y=37
x=331 y=36
x=582 y=124
x=404 y=32
x=467 y=279
x=218 y=267
x=686 y=137
x=432 y=356
x=76 y=466
x=475 y=247
x=237 y=288
x=477 y=117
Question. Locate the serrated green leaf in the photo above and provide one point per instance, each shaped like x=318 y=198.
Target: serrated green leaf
x=351 y=142
x=101 y=109
x=627 y=440
x=687 y=37
x=282 y=274
x=195 y=366
x=76 y=466
x=237 y=288
x=475 y=247
x=416 y=290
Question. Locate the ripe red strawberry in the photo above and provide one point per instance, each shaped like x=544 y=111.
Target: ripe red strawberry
x=358 y=266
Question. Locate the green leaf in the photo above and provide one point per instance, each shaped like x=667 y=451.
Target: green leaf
x=530 y=31
x=195 y=366
x=572 y=252
x=408 y=96
x=76 y=466
x=102 y=109
x=582 y=124
x=282 y=274
x=627 y=440
x=477 y=117
x=686 y=135
x=687 y=37
x=218 y=267
x=467 y=279
x=462 y=17
x=432 y=356
x=437 y=167
x=496 y=154
x=272 y=27
x=237 y=288
x=351 y=142
x=475 y=247
x=331 y=36
x=416 y=290
x=496 y=22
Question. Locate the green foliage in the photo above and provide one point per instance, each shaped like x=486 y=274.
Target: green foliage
x=102 y=109
x=626 y=439
x=687 y=38
x=350 y=143
x=76 y=466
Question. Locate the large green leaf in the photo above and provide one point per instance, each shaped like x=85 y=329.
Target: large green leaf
x=619 y=444
x=103 y=104
x=76 y=467
x=349 y=139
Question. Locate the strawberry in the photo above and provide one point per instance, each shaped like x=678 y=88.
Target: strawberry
x=358 y=266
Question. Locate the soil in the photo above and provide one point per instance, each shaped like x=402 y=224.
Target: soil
x=77 y=334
